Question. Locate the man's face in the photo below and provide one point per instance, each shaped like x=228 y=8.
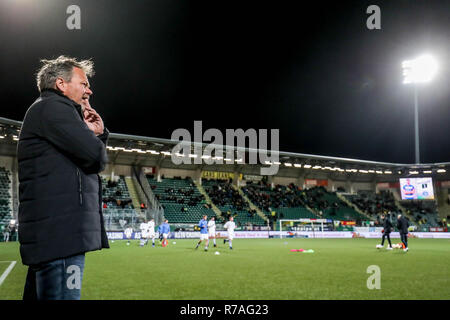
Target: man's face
x=77 y=89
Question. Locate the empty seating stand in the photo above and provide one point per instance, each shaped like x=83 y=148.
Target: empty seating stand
x=331 y=206
x=424 y=213
x=174 y=194
x=295 y=213
x=286 y=201
x=374 y=204
x=242 y=214
x=115 y=196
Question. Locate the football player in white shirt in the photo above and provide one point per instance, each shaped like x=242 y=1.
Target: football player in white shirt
x=212 y=230
x=151 y=231
x=230 y=225
x=128 y=232
x=144 y=233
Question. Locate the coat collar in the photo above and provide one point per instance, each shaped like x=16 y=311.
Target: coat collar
x=50 y=91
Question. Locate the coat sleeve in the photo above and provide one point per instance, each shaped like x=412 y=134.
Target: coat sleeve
x=104 y=136
x=62 y=126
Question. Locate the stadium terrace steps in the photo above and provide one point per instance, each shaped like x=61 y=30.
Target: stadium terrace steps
x=341 y=212
x=423 y=212
x=284 y=212
x=443 y=205
x=251 y=204
x=115 y=209
x=397 y=199
x=295 y=213
x=405 y=212
x=133 y=193
x=208 y=199
x=312 y=211
x=352 y=205
x=177 y=208
x=242 y=216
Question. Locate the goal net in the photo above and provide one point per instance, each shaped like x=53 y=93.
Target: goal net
x=297 y=228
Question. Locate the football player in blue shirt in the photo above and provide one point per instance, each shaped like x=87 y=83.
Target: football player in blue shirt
x=203 y=225
x=165 y=229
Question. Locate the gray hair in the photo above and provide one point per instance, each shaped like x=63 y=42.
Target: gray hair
x=61 y=67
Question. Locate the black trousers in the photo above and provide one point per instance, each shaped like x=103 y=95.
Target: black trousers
x=404 y=238
x=388 y=236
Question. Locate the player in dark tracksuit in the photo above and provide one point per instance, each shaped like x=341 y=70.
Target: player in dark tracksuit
x=402 y=225
x=387 y=226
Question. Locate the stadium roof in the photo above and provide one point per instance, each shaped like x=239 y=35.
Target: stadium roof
x=156 y=152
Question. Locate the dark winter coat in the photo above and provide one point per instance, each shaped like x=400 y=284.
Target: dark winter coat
x=387 y=225
x=402 y=225
x=60 y=192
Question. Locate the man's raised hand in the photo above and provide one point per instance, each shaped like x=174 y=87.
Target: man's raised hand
x=92 y=118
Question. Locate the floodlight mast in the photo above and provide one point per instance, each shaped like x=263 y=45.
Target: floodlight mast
x=416 y=124
x=417 y=71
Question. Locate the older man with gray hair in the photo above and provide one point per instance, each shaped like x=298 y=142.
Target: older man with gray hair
x=402 y=226
x=61 y=151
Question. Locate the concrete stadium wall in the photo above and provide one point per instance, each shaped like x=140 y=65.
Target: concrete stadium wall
x=316 y=174
x=442 y=197
x=356 y=186
x=334 y=184
x=7 y=162
x=119 y=170
x=284 y=181
x=170 y=173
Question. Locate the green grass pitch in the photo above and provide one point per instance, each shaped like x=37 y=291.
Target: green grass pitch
x=256 y=269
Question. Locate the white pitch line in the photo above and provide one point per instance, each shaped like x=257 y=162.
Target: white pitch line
x=5 y=274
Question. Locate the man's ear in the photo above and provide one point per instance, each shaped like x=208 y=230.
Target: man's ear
x=61 y=85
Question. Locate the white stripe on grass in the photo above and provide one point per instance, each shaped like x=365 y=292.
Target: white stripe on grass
x=7 y=271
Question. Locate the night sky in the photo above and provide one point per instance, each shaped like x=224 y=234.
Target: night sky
x=316 y=72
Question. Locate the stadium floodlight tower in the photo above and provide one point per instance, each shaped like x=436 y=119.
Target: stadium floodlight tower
x=419 y=70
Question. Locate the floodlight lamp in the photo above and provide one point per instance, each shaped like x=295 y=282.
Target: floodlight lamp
x=419 y=70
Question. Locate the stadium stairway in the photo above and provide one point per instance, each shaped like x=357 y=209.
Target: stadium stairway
x=208 y=199
x=251 y=205
x=352 y=205
x=312 y=210
x=397 y=198
x=411 y=219
x=133 y=193
x=443 y=205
